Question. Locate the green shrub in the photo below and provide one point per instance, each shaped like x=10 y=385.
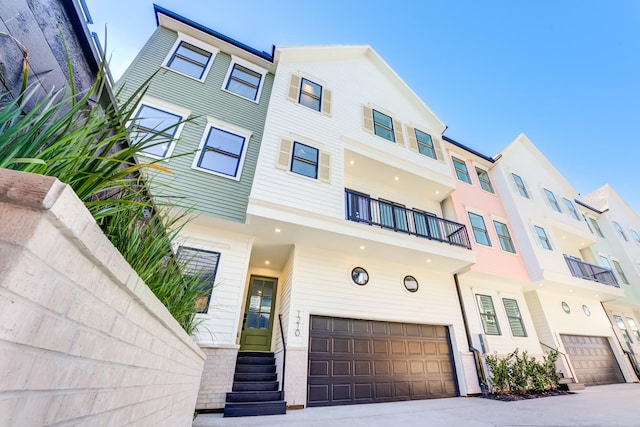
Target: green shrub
x=521 y=374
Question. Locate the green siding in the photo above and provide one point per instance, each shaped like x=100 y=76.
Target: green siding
x=207 y=193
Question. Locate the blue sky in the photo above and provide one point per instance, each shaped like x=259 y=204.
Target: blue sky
x=566 y=73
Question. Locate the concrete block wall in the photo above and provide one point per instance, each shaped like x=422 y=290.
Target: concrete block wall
x=217 y=377
x=83 y=341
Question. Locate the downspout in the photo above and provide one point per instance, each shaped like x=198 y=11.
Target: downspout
x=480 y=373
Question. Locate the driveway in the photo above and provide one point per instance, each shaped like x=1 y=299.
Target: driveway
x=609 y=405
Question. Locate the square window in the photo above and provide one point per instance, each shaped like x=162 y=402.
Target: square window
x=155 y=129
x=383 y=126
x=522 y=188
x=515 y=318
x=572 y=209
x=310 y=94
x=222 y=152
x=485 y=182
x=551 y=198
x=304 y=160
x=504 y=237
x=543 y=238
x=488 y=315
x=190 y=60
x=244 y=82
x=461 y=170
x=201 y=266
x=425 y=144
x=479 y=229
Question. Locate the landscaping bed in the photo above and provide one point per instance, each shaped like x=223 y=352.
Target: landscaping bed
x=514 y=397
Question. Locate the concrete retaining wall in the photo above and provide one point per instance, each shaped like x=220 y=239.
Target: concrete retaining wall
x=83 y=341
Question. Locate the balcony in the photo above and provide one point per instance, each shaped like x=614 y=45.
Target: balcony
x=392 y=216
x=593 y=272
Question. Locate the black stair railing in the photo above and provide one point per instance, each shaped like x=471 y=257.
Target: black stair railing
x=593 y=272
x=284 y=353
x=385 y=214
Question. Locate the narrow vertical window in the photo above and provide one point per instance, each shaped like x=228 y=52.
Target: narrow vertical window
x=383 y=126
x=488 y=315
x=504 y=237
x=543 y=238
x=596 y=227
x=522 y=189
x=425 y=144
x=200 y=266
x=485 y=182
x=619 y=229
x=623 y=328
x=572 y=209
x=635 y=236
x=479 y=229
x=618 y=268
x=515 y=317
x=310 y=94
x=461 y=170
x=553 y=202
x=634 y=327
x=304 y=160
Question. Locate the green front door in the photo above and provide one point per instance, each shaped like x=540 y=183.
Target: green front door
x=257 y=324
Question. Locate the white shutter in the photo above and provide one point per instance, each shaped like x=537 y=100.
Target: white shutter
x=324 y=169
x=397 y=132
x=326 y=101
x=437 y=147
x=294 y=88
x=367 y=117
x=284 y=155
x=411 y=138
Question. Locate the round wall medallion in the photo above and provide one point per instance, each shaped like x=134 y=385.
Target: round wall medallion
x=586 y=310
x=359 y=276
x=566 y=307
x=410 y=283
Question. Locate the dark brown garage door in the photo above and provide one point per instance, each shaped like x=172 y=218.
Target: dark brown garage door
x=592 y=359
x=364 y=361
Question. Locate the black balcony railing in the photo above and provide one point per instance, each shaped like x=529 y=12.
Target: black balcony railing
x=593 y=272
x=390 y=215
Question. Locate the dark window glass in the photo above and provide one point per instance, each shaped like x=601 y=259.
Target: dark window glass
x=189 y=60
x=201 y=266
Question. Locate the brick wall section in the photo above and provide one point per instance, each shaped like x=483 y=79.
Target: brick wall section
x=83 y=341
x=217 y=377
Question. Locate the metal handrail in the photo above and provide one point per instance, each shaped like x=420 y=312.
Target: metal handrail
x=633 y=361
x=596 y=273
x=566 y=360
x=393 y=216
x=482 y=375
x=284 y=352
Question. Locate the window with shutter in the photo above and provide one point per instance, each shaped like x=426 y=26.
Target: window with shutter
x=324 y=173
x=304 y=160
x=326 y=102
x=367 y=119
x=488 y=315
x=514 y=317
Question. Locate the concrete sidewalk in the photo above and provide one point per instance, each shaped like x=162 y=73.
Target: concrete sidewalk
x=609 y=405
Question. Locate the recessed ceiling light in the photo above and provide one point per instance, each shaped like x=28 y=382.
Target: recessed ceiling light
x=352 y=162
x=428 y=260
x=437 y=192
x=277 y=230
x=564 y=237
x=396 y=178
x=361 y=246
x=267 y=262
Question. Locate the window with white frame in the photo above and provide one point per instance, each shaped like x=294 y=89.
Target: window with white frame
x=479 y=229
x=572 y=209
x=244 y=80
x=623 y=328
x=635 y=235
x=553 y=202
x=618 y=268
x=620 y=231
x=156 y=130
x=515 y=317
x=543 y=238
x=634 y=327
x=199 y=266
x=522 y=188
x=222 y=151
x=189 y=60
x=504 y=237
x=485 y=181
x=488 y=315
x=462 y=172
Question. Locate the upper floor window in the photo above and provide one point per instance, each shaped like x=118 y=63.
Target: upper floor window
x=244 y=79
x=485 y=182
x=551 y=198
x=222 y=152
x=310 y=94
x=522 y=189
x=634 y=327
x=635 y=235
x=383 y=126
x=572 y=209
x=304 y=160
x=425 y=144
x=200 y=266
x=543 y=238
x=156 y=130
x=605 y=262
x=504 y=237
x=623 y=328
x=189 y=60
x=479 y=229
x=515 y=317
x=618 y=268
x=596 y=227
x=619 y=228
x=461 y=170
x=488 y=315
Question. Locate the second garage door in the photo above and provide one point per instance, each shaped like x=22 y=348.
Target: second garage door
x=592 y=359
x=365 y=361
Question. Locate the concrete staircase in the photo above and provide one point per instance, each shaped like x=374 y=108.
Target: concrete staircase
x=569 y=384
x=255 y=387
